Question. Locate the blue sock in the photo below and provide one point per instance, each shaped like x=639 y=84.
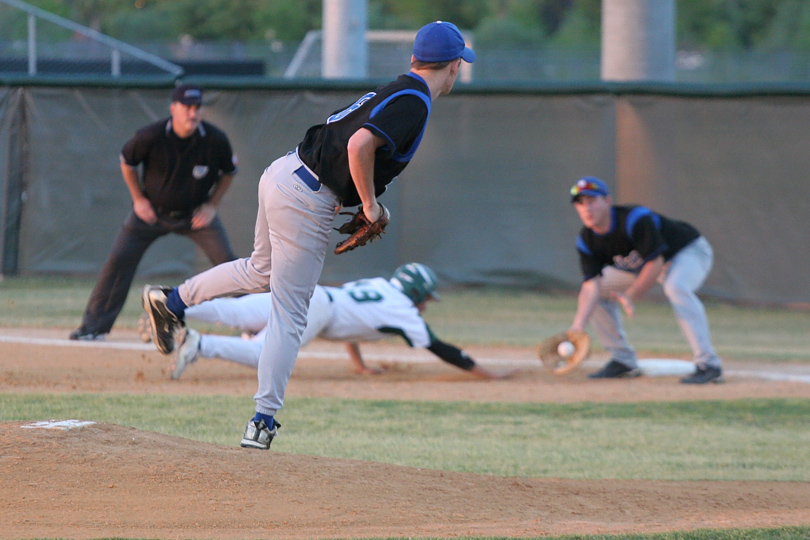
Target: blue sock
x=176 y=304
x=268 y=419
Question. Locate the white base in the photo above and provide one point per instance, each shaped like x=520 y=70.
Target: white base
x=664 y=367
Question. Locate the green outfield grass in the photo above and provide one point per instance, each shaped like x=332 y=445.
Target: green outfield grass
x=474 y=316
x=59 y=302
x=714 y=440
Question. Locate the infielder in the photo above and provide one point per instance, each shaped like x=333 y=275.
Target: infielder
x=623 y=251
x=364 y=310
x=348 y=160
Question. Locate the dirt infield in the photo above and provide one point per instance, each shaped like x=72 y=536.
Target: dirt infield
x=107 y=480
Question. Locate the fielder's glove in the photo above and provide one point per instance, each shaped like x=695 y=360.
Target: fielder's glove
x=547 y=351
x=361 y=229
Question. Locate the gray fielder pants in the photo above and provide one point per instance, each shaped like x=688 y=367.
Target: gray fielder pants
x=682 y=276
x=291 y=236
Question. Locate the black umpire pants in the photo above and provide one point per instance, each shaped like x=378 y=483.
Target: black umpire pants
x=110 y=293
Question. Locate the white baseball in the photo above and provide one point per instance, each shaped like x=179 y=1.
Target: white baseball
x=566 y=349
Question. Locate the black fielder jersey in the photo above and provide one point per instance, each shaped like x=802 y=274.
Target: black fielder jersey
x=637 y=235
x=178 y=174
x=397 y=113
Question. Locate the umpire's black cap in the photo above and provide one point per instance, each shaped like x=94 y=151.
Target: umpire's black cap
x=188 y=94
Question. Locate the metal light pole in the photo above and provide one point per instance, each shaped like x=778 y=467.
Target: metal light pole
x=638 y=40
x=638 y=45
x=344 y=50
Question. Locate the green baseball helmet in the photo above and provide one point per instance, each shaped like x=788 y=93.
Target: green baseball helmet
x=416 y=281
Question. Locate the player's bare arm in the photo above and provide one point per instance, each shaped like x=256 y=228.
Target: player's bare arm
x=645 y=280
x=140 y=204
x=586 y=302
x=359 y=366
x=361 y=150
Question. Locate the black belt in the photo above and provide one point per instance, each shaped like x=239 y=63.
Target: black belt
x=308 y=178
x=173 y=214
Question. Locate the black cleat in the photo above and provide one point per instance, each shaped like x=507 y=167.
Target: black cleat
x=615 y=370
x=704 y=375
x=162 y=322
x=85 y=335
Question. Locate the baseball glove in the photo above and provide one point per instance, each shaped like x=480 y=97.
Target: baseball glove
x=547 y=351
x=361 y=230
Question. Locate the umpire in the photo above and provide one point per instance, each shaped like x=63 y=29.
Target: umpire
x=186 y=166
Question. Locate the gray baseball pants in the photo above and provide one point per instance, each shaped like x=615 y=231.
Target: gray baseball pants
x=290 y=241
x=682 y=276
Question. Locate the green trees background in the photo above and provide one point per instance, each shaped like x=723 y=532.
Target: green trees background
x=732 y=25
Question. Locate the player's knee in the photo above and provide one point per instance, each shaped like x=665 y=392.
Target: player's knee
x=676 y=292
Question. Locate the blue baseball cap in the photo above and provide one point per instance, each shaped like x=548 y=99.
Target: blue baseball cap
x=441 y=41
x=188 y=94
x=591 y=186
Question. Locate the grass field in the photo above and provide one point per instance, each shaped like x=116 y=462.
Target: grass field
x=746 y=439
x=736 y=440
x=492 y=316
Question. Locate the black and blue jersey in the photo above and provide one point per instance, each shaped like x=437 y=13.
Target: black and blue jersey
x=397 y=113
x=637 y=235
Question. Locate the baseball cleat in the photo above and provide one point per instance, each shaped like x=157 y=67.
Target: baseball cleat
x=162 y=322
x=615 y=370
x=143 y=328
x=84 y=335
x=258 y=435
x=186 y=354
x=703 y=375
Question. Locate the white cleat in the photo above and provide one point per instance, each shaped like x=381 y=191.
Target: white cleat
x=258 y=435
x=186 y=354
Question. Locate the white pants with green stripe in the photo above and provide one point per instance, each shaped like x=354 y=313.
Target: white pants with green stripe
x=250 y=313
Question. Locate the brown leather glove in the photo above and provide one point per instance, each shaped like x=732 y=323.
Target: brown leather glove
x=361 y=230
x=559 y=365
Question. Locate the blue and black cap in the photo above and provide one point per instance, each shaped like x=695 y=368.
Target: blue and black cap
x=591 y=186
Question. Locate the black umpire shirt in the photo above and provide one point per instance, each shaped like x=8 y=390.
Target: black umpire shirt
x=178 y=174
